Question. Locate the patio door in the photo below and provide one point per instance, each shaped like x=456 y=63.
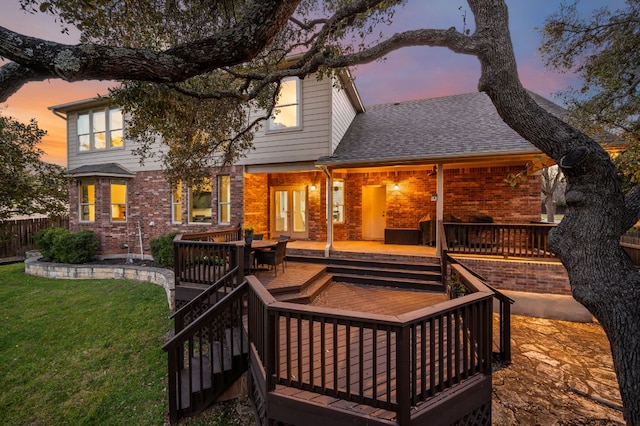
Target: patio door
x=374 y=206
x=289 y=214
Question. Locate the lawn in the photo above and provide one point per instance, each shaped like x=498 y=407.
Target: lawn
x=81 y=352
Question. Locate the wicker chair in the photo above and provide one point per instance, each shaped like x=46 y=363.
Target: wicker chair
x=273 y=257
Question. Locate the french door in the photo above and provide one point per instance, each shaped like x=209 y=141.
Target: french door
x=289 y=215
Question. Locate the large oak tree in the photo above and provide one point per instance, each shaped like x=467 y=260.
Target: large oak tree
x=244 y=43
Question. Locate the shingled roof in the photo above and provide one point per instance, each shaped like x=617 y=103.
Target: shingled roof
x=439 y=129
x=106 y=169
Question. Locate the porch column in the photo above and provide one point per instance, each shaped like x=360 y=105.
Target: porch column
x=439 y=206
x=329 y=197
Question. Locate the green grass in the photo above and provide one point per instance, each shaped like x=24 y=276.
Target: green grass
x=81 y=352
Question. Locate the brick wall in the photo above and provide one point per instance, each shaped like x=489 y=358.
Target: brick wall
x=532 y=277
x=256 y=202
x=477 y=191
x=149 y=211
x=468 y=192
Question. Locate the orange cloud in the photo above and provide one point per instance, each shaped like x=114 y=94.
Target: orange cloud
x=33 y=101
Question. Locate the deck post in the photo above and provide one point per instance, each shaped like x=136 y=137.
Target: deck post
x=403 y=378
x=271 y=346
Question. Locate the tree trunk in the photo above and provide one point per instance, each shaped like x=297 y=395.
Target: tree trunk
x=601 y=275
x=550 y=207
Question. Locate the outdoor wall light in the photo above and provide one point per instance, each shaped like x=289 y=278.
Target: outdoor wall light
x=396 y=187
x=313 y=187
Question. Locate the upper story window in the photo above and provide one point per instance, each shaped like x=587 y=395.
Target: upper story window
x=176 y=203
x=118 y=200
x=200 y=203
x=286 y=114
x=224 y=199
x=87 y=201
x=100 y=129
x=337 y=210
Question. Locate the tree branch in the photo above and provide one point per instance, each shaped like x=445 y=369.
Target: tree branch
x=259 y=26
x=14 y=76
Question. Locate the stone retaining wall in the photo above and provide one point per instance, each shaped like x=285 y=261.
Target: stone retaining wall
x=162 y=277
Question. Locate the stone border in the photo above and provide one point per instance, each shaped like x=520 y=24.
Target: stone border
x=159 y=276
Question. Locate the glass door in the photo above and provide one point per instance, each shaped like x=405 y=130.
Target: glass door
x=289 y=212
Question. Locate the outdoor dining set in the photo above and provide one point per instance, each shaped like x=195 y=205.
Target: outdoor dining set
x=270 y=253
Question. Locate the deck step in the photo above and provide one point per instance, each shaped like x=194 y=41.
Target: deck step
x=402 y=283
x=201 y=366
x=414 y=266
x=425 y=276
x=396 y=272
x=282 y=287
x=309 y=292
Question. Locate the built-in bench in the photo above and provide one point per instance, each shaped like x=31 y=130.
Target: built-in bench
x=405 y=236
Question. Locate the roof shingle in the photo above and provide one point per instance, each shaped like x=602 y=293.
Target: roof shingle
x=431 y=129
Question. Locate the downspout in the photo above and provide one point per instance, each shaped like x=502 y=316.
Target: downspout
x=329 y=196
x=439 y=206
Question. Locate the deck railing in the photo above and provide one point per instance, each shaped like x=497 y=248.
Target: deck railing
x=201 y=261
x=207 y=355
x=501 y=239
x=210 y=296
x=393 y=363
x=226 y=235
x=473 y=282
x=386 y=362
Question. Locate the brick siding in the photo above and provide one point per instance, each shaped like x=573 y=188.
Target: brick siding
x=149 y=209
x=532 y=277
x=468 y=192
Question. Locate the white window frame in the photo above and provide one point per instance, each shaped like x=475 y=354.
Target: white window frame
x=338 y=209
x=176 y=204
x=208 y=185
x=226 y=205
x=113 y=205
x=271 y=124
x=89 y=205
x=91 y=130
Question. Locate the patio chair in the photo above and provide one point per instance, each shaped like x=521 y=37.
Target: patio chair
x=284 y=238
x=273 y=257
x=258 y=236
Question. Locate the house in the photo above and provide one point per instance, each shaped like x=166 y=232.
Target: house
x=323 y=170
x=375 y=172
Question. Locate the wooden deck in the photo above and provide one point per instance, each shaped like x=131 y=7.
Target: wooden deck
x=401 y=357
x=368 y=367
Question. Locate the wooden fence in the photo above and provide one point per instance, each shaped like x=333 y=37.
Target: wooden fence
x=16 y=236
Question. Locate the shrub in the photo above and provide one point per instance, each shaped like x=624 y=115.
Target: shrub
x=162 y=249
x=76 y=247
x=45 y=241
x=60 y=245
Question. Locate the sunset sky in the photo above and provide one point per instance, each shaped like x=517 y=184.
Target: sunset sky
x=410 y=73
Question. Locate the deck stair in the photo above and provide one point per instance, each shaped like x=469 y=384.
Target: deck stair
x=224 y=364
x=302 y=287
x=424 y=276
